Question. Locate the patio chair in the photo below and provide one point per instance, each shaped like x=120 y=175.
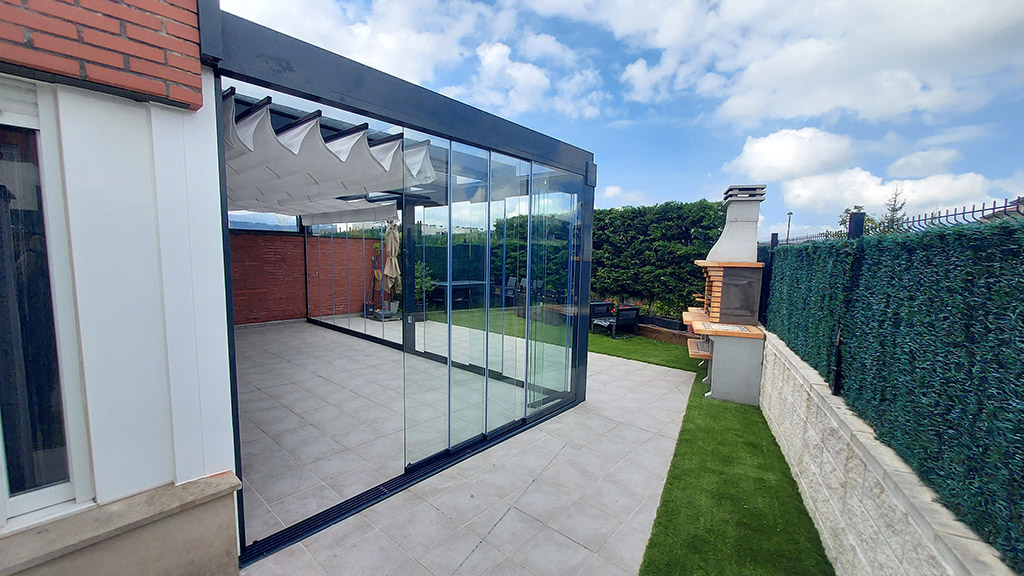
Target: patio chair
x=626 y=319
x=505 y=294
x=599 y=311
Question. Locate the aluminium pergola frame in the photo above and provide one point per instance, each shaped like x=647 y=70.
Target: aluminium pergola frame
x=236 y=48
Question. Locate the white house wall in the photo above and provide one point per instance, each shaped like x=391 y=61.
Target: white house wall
x=143 y=207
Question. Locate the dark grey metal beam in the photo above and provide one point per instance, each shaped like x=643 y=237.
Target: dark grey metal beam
x=264 y=57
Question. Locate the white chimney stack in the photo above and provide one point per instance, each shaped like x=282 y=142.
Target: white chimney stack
x=738 y=242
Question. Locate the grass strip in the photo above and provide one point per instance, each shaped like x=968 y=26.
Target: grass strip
x=730 y=504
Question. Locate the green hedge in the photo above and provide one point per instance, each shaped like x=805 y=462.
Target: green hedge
x=807 y=298
x=932 y=355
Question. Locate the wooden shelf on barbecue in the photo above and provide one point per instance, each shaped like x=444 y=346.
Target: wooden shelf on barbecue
x=700 y=349
x=695 y=315
x=734 y=330
x=708 y=264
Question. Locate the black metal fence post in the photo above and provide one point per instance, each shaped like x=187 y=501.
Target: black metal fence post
x=855 y=227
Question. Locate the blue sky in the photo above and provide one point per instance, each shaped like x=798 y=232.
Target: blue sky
x=830 y=104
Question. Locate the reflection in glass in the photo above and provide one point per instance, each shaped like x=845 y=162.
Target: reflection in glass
x=426 y=372
x=509 y=214
x=551 y=307
x=30 y=396
x=469 y=291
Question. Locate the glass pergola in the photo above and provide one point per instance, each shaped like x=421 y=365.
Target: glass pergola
x=446 y=257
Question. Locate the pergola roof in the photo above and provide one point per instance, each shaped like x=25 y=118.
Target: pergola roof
x=322 y=170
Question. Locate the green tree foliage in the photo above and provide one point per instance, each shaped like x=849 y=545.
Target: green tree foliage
x=647 y=253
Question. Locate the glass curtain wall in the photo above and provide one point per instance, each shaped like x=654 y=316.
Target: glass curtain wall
x=552 y=310
x=496 y=252
x=506 y=344
x=427 y=363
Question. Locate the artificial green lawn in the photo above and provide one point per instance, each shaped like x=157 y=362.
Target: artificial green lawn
x=730 y=505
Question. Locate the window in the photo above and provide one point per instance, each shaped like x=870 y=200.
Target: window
x=35 y=449
x=43 y=439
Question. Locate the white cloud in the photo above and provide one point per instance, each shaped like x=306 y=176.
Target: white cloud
x=806 y=58
x=547 y=47
x=789 y=154
x=510 y=87
x=410 y=39
x=830 y=193
x=615 y=196
x=923 y=163
x=956 y=135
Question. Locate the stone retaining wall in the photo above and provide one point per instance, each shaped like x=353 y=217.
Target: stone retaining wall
x=873 y=514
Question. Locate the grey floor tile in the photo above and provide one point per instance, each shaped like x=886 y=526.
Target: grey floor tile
x=542 y=501
x=548 y=553
x=613 y=499
x=372 y=555
x=504 y=527
x=305 y=504
x=421 y=529
x=509 y=567
x=585 y=524
x=461 y=554
x=625 y=548
x=334 y=538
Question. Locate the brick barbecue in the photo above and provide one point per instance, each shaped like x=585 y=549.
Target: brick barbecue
x=730 y=340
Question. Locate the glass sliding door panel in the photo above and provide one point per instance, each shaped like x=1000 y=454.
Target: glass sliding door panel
x=551 y=310
x=312 y=276
x=506 y=344
x=342 y=277
x=392 y=250
x=427 y=409
x=469 y=291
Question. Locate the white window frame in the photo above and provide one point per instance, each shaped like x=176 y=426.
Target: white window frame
x=41 y=504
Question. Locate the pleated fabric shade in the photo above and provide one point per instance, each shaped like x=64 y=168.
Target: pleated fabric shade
x=294 y=170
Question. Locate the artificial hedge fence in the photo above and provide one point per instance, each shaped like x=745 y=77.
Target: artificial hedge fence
x=932 y=355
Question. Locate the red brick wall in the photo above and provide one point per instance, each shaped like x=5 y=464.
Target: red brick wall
x=149 y=47
x=344 y=274
x=268 y=275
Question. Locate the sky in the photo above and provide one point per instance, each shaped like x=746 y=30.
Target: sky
x=830 y=104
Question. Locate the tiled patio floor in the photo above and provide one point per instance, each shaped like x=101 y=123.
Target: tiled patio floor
x=575 y=495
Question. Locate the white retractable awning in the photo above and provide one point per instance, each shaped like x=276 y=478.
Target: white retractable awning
x=295 y=171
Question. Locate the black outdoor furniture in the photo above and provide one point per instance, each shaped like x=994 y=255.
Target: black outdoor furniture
x=505 y=294
x=626 y=318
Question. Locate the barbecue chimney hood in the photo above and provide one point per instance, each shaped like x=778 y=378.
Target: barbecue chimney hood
x=738 y=242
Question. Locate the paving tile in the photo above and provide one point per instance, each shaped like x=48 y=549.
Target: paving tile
x=305 y=504
x=614 y=500
x=411 y=568
x=548 y=553
x=542 y=501
x=594 y=470
x=372 y=555
x=394 y=507
x=626 y=547
x=461 y=553
x=585 y=524
x=504 y=527
x=509 y=567
x=293 y=559
x=331 y=539
x=465 y=501
x=421 y=529
x=598 y=566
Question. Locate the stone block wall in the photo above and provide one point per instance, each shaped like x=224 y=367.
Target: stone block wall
x=873 y=514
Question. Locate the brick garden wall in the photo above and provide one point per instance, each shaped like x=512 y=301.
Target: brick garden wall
x=268 y=275
x=147 y=47
x=873 y=513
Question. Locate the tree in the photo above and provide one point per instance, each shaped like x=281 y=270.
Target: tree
x=647 y=253
x=844 y=218
x=894 y=205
